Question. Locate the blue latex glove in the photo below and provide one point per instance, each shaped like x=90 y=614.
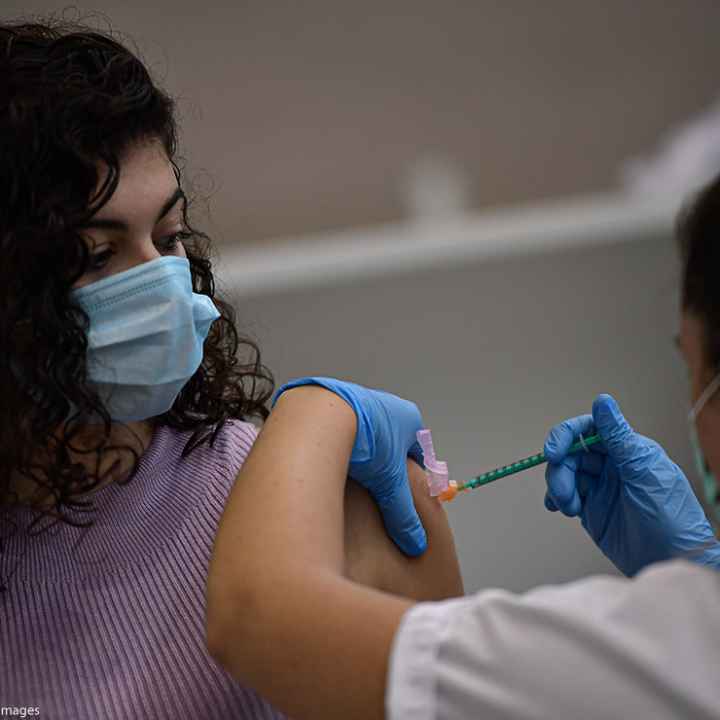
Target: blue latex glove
x=633 y=500
x=386 y=427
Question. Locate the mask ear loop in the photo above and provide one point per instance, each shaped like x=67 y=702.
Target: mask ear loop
x=582 y=442
x=705 y=395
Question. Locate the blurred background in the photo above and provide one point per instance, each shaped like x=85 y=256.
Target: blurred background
x=469 y=204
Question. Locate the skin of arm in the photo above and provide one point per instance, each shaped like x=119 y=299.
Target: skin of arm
x=286 y=613
x=372 y=558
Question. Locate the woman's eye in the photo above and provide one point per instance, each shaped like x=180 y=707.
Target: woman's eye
x=100 y=260
x=168 y=244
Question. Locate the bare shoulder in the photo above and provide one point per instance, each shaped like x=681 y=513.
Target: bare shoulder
x=373 y=559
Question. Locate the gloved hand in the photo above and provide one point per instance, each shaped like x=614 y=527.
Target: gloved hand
x=634 y=502
x=386 y=427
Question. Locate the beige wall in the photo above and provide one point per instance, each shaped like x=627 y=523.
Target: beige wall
x=494 y=353
x=305 y=115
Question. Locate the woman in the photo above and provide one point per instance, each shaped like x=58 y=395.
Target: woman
x=645 y=646
x=125 y=410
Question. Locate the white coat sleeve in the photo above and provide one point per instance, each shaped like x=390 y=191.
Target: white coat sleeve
x=604 y=647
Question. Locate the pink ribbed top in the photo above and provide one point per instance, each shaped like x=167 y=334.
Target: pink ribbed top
x=109 y=622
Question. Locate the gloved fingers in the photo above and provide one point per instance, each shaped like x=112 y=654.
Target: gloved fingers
x=564 y=434
x=401 y=519
x=618 y=437
x=585 y=483
x=404 y=415
x=590 y=462
x=562 y=486
x=549 y=504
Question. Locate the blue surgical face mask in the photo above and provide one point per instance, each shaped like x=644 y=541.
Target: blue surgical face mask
x=710 y=486
x=146 y=335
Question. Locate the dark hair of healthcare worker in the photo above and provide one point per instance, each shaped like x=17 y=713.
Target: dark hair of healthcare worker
x=282 y=617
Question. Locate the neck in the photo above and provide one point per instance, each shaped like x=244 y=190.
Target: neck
x=113 y=462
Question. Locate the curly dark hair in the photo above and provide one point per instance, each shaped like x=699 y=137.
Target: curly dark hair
x=72 y=98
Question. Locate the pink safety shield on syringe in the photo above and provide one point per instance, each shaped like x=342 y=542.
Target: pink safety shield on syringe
x=437 y=471
x=439 y=483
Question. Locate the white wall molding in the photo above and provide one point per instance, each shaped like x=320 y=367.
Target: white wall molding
x=331 y=258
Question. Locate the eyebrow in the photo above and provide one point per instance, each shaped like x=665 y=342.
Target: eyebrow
x=112 y=224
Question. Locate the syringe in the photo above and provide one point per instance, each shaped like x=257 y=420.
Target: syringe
x=452 y=488
x=524 y=464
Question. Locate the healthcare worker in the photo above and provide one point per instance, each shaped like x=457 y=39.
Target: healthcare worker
x=283 y=618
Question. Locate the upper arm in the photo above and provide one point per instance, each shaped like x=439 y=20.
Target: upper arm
x=372 y=558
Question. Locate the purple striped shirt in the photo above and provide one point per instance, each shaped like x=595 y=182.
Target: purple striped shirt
x=109 y=622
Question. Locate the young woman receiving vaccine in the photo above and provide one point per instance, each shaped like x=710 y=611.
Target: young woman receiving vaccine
x=125 y=409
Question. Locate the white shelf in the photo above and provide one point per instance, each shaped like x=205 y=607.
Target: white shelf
x=332 y=258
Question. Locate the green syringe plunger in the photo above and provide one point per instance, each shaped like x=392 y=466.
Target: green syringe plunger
x=516 y=467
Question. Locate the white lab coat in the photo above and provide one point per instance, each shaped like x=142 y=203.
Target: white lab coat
x=603 y=647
